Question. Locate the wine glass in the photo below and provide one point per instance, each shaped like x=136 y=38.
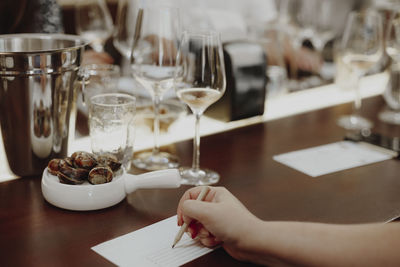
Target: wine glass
x=271 y=40
x=126 y=21
x=199 y=82
x=392 y=92
x=94 y=23
x=155 y=46
x=317 y=19
x=360 y=49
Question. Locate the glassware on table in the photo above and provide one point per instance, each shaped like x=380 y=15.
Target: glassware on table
x=111 y=125
x=199 y=82
x=93 y=22
x=316 y=19
x=360 y=48
x=126 y=21
x=392 y=92
x=271 y=39
x=97 y=79
x=154 y=52
x=170 y=111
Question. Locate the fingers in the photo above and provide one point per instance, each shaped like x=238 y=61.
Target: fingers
x=189 y=194
x=193 y=193
x=196 y=210
x=203 y=233
x=196 y=230
x=210 y=241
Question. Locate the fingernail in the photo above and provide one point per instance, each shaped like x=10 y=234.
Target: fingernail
x=194 y=235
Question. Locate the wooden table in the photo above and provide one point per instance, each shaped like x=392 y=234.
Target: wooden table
x=34 y=233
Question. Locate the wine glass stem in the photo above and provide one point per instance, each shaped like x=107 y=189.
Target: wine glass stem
x=98 y=47
x=196 y=144
x=357 y=97
x=156 y=123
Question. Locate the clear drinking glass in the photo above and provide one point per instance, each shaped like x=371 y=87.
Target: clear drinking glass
x=199 y=82
x=93 y=22
x=317 y=22
x=100 y=79
x=154 y=52
x=360 y=49
x=271 y=39
x=392 y=92
x=317 y=19
x=126 y=21
x=111 y=125
x=97 y=79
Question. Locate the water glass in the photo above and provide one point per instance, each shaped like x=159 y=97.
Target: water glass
x=271 y=39
x=100 y=79
x=93 y=22
x=111 y=125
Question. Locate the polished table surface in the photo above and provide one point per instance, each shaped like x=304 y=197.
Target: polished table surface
x=35 y=233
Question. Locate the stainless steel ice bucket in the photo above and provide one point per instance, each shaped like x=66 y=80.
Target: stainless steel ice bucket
x=37 y=97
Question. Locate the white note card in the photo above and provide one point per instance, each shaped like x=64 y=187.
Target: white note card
x=151 y=246
x=331 y=158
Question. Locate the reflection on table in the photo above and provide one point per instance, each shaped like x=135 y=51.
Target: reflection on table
x=36 y=233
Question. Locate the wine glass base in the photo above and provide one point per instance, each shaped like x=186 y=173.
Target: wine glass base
x=153 y=162
x=191 y=176
x=354 y=122
x=390 y=116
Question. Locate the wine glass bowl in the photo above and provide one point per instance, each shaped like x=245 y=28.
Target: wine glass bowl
x=153 y=64
x=126 y=21
x=93 y=22
x=319 y=20
x=199 y=82
x=170 y=111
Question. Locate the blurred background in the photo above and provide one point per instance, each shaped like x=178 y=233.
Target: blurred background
x=273 y=49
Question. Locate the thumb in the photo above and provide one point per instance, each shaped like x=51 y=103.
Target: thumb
x=197 y=210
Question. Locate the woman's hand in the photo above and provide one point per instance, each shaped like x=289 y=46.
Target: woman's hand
x=220 y=219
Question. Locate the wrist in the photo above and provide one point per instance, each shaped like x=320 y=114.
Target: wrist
x=251 y=236
x=257 y=243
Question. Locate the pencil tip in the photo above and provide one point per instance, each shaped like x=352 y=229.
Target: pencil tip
x=173 y=246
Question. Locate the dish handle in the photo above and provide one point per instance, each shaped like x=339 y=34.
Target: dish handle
x=169 y=178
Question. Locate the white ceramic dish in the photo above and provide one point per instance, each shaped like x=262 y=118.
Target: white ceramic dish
x=92 y=197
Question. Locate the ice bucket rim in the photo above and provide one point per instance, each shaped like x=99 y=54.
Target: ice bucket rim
x=79 y=42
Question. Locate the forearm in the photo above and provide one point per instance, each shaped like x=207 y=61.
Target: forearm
x=312 y=244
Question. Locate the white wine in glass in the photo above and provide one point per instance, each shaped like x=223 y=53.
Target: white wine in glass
x=199 y=82
x=360 y=49
x=155 y=47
